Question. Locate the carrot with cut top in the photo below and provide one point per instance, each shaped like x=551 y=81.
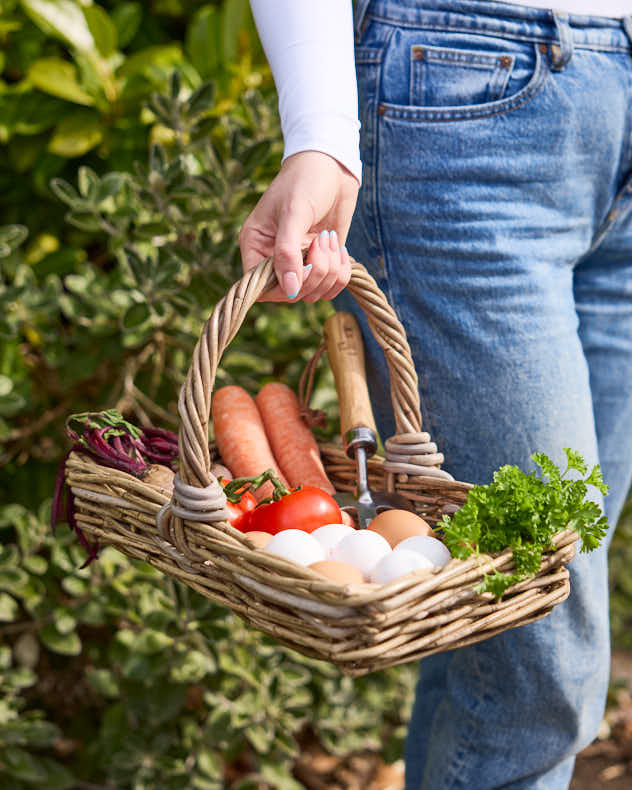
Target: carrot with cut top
x=241 y=436
x=292 y=442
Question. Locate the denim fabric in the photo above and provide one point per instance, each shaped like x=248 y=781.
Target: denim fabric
x=495 y=213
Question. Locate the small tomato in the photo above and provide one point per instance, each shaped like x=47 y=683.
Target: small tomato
x=306 y=508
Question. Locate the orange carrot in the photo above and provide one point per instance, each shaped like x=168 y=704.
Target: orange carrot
x=241 y=437
x=292 y=442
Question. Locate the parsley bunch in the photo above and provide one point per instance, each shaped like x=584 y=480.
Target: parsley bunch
x=524 y=511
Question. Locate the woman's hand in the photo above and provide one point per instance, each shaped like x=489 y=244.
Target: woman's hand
x=309 y=203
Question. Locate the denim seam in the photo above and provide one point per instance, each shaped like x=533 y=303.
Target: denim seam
x=476 y=30
x=611 y=220
x=435 y=115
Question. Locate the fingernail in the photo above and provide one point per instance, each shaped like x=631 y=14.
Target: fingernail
x=290 y=285
x=333 y=241
x=307 y=269
x=345 y=250
x=323 y=240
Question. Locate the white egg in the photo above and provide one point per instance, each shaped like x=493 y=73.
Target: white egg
x=396 y=564
x=330 y=536
x=296 y=545
x=363 y=549
x=431 y=548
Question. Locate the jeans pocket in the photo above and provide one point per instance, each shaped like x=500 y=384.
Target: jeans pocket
x=440 y=75
x=443 y=76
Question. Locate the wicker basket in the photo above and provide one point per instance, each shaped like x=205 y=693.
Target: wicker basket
x=361 y=628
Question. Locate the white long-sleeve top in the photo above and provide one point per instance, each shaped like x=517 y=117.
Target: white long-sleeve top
x=309 y=45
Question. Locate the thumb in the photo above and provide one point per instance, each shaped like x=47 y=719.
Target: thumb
x=288 y=258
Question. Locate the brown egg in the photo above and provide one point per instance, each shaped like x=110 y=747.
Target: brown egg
x=260 y=539
x=339 y=572
x=397 y=525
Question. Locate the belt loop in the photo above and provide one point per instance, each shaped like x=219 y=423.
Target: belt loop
x=361 y=7
x=562 y=52
x=627 y=27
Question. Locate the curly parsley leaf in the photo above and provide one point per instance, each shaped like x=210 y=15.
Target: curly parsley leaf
x=524 y=511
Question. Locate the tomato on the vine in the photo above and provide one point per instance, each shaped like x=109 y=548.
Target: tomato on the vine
x=306 y=508
x=240 y=509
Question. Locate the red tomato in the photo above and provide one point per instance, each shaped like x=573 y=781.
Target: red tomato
x=306 y=508
x=239 y=512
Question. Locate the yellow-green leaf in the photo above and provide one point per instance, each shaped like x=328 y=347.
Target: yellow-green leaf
x=76 y=134
x=63 y=19
x=59 y=78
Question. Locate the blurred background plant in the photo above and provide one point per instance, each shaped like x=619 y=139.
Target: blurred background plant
x=134 y=140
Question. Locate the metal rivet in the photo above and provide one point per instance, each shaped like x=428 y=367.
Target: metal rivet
x=505 y=61
x=418 y=53
x=543 y=48
x=612 y=215
x=381 y=109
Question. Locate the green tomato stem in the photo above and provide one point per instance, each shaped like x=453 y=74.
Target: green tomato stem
x=232 y=489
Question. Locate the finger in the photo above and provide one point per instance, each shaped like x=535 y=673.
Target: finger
x=294 y=225
x=254 y=244
x=318 y=258
x=331 y=249
x=344 y=275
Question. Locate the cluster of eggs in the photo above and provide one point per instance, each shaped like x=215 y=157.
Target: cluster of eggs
x=396 y=542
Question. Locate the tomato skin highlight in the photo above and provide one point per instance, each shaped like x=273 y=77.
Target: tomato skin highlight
x=306 y=508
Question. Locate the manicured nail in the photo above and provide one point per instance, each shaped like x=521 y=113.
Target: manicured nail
x=323 y=240
x=290 y=285
x=307 y=269
x=333 y=241
x=345 y=250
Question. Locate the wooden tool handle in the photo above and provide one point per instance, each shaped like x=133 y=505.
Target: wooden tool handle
x=346 y=357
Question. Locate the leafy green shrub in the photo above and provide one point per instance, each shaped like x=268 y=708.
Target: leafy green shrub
x=115 y=674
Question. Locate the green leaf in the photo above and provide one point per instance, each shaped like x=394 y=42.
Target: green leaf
x=234 y=13
x=58 y=777
x=102 y=29
x=255 y=155
x=64 y=621
x=35 y=564
x=127 y=18
x=65 y=191
x=59 y=78
x=63 y=19
x=8 y=608
x=103 y=682
x=136 y=315
x=85 y=220
x=203 y=41
x=76 y=134
x=19 y=764
x=201 y=100
x=88 y=182
x=161 y=56
x=66 y=644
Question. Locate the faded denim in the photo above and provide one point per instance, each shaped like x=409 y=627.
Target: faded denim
x=495 y=213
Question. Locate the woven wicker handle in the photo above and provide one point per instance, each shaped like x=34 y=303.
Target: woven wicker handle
x=194 y=404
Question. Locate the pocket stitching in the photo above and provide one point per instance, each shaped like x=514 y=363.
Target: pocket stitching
x=498 y=64
x=473 y=111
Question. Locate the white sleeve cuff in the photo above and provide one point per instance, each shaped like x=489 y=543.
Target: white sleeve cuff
x=336 y=135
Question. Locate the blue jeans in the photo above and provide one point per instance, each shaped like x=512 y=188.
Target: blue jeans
x=495 y=213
